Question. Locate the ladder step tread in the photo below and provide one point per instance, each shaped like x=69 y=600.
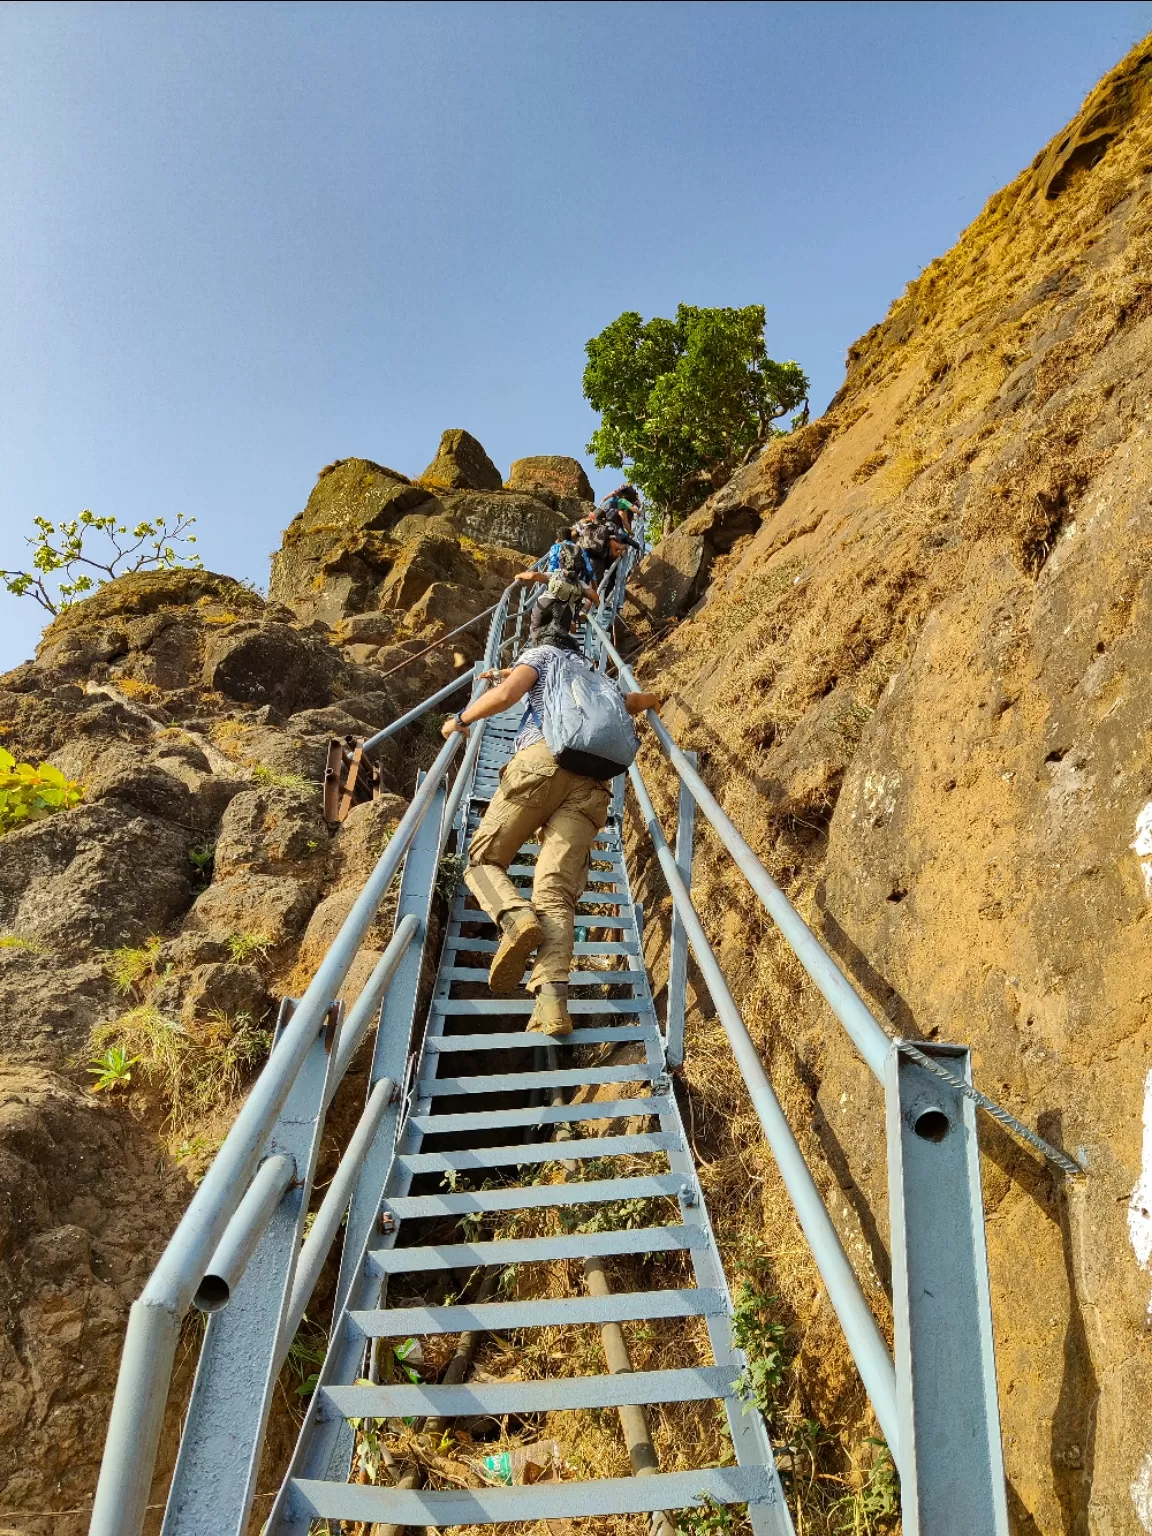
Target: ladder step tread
x=547 y=1312
x=589 y=978
x=523 y=1197
x=515 y=1082
x=505 y=1041
x=546 y=1152
x=545 y=1114
x=498 y=1005
x=455 y=943
x=536 y=1250
x=544 y=1500
x=692 y=1385
x=624 y=920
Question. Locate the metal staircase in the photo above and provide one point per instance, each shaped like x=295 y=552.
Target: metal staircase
x=485 y=1104
x=482 y=1148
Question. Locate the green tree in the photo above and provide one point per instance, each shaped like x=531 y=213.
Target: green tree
x=682 y=402
x=72 y=559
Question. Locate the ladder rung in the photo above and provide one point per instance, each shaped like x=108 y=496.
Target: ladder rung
x=524 y=1153
x=510 y=1042
x=535 y=1250
x=402 y=1402
x=546 y=1312
x=526 y=1197
x=546 y=1114
x=498 y=1005
x=516 y=1082
x=456 y=944
x=596 y=978
x=583 y=920
x=545 y=1500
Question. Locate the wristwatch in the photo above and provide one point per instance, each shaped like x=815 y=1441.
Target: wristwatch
x=459 y=718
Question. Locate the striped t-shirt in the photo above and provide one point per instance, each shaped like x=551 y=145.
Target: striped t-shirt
x=542 y=658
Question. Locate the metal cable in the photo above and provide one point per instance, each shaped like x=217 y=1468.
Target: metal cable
x=1067 y=1164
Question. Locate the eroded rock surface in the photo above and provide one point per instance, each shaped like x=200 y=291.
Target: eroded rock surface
x=917 y=684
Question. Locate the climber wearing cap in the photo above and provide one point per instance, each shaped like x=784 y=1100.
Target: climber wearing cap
x=622 y=506
x=567 y=809
x=566 y=585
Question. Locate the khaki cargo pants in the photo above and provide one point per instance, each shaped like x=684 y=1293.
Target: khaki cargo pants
x=568 y=810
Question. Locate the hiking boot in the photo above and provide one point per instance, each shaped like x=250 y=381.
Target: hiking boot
x=520 y=933
x=550 y=1015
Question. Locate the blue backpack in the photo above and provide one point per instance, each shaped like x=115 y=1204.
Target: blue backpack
x=586 y=725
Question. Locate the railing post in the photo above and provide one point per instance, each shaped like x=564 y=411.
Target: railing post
x=951 y=1460
x=678 y=950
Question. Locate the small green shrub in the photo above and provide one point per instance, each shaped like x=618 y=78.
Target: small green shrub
x=195 y=1073
x=269 y=778
x=14 y=941
x=111 y=1068
x=202 y=860
x=28 y=794
x=763 y=1343
x=709 y=1518
x=242 y=946
x=128 y=967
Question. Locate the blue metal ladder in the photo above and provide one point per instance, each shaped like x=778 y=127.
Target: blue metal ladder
x=457 y=1126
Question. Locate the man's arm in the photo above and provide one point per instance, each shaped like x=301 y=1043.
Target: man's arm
x=528 y=576
x=496 y=700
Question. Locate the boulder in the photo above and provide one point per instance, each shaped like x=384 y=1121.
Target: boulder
x=462 y=464
x=97 y=876
x=667 y=581
x=356 y=494
x=425 y=525
x=552 y=476
x=376 y=628
x=422 y=563
x=275 y=906
x=509 y=518
x=266 y=829
x=269 y=664
x=223 y=987
x=444 y=606
x=49 y=1005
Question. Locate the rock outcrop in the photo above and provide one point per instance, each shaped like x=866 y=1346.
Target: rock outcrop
x=195 y=885
x=916 y=680
x=461 y=464
x=370 y=540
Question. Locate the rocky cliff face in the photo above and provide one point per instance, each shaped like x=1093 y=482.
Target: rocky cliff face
x=914 y=665
x=197 y=883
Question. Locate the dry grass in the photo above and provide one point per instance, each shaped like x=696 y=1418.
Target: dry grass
x=195 y=1074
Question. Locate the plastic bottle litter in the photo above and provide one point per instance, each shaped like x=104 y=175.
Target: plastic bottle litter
x=521 y=1463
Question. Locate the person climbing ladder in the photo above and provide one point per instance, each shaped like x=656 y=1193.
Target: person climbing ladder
x=567 y=807
x=567 y=577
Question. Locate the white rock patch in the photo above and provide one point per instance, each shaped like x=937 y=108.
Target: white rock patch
x=1141 y=1491
x=1141 y=845
x=1140 y=1234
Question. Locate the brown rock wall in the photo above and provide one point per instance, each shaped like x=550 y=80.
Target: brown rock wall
x=917 y=687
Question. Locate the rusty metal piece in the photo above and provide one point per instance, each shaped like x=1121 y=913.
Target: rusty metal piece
x=350 y=778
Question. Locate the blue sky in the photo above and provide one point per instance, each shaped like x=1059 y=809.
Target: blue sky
x=239 y=241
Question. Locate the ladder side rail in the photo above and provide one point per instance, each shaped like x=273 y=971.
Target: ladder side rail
x=394 y=1034
x=746 y=1425
x=439 y=697
x=155 y=1319
x=325 y=1448
x=678 y=945
x=860 y=1328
